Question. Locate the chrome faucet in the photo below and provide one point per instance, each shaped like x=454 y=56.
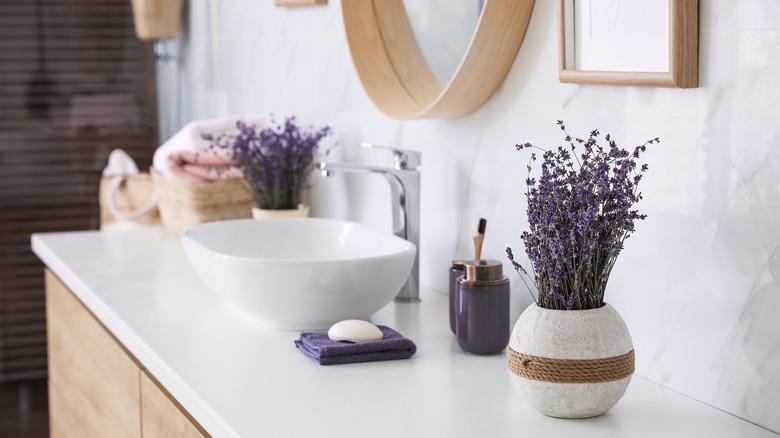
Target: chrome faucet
x=404 y=179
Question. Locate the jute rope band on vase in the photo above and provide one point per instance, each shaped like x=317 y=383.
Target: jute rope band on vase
x=570 y=363
x=569 y=370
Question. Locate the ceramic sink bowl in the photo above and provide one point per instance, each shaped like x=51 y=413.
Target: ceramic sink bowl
x=299 y=274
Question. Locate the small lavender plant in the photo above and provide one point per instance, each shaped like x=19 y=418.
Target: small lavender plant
x=579 y=216
x=275 y=161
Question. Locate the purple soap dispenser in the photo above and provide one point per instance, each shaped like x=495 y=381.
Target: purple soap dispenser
x=482 y=307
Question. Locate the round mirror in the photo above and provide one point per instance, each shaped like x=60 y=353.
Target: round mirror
x=443 y=30
x=399 y=79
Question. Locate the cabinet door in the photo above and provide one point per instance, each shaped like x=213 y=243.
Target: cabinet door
x=62 y=421
x=95 y=381
x=162 y=417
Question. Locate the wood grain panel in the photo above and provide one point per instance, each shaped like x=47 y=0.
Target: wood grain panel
x=685 y=31
x=97 y=379
x=62 y=422
x=161 y=415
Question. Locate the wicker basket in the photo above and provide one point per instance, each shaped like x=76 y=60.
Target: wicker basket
x=156 y=18
x=185 y=204
x=132 y=194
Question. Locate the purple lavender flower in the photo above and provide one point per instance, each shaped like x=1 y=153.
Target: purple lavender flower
x=275 y=161
x=580 y=211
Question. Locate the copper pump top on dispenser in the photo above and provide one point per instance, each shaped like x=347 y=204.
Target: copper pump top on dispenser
x=483 y=272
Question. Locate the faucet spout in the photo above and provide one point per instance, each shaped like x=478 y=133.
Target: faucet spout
x=405 y=202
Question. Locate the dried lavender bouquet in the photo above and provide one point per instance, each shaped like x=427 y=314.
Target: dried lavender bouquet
x=580 y=212
x=275 y=161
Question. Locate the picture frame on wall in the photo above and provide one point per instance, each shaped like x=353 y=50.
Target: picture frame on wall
x=651 y=43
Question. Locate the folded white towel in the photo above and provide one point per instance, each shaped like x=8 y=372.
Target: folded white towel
x=188 y=156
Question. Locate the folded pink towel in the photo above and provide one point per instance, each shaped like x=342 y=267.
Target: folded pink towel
x=187 y=156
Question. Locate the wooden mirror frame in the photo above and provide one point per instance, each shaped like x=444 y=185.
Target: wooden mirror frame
x=396 y=76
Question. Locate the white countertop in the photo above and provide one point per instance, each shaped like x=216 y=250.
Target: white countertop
x=240 y=379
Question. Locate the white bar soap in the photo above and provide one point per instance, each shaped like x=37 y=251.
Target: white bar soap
x=354 y=330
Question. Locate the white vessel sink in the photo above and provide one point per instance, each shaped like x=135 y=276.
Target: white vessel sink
x=299 y=274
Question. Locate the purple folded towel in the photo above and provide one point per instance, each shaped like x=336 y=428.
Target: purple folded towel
x=392 y=346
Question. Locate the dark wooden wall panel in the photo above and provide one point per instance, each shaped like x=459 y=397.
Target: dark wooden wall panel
x=75 y=84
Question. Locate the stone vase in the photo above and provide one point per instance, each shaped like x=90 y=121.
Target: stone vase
x=260 y=213
x=571 y=363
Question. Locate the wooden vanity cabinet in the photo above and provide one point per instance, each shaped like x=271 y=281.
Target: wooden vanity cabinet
x=96 y=387
x=161 y=416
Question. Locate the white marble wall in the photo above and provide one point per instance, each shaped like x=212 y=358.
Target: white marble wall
x=698 y=282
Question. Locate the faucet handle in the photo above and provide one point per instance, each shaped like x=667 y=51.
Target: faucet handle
x=403 y=159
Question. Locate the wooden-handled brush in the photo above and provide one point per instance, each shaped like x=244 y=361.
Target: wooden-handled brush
x=479 y=238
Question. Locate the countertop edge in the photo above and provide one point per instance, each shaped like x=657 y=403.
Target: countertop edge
x=156 y=366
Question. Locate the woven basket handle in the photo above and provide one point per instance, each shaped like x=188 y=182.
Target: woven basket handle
x=113 y=188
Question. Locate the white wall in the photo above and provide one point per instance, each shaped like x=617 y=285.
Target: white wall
x=697 y=283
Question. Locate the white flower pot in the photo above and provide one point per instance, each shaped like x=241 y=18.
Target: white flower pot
x=259 y=213
x=571 y=363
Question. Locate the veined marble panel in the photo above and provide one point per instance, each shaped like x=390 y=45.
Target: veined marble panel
x=697 y=284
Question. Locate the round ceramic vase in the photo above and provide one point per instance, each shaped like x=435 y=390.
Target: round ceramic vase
x=543 y=347
x=259 y=213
